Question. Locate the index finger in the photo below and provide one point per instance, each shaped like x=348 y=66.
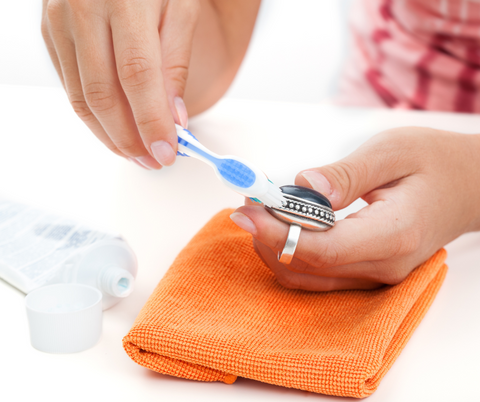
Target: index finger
x=136 y=44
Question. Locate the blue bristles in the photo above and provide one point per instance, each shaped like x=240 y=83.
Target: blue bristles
x=236 y=172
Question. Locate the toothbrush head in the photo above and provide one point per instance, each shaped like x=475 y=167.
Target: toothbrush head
x=250 y=182
x=274 y=197
x=236 y=173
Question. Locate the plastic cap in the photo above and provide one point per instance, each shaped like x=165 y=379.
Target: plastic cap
x=64 y=318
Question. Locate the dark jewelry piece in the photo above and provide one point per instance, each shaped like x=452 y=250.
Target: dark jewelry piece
x=305 y=207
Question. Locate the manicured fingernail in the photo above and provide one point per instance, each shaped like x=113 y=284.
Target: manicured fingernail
x=244 y=222
x=181 y=111
x=163 y=153
x=148 y=162
x=318 y=182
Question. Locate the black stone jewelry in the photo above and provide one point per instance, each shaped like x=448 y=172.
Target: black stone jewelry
x=303 y=208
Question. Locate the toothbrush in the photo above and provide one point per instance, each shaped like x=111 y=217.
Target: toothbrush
x=236 y=173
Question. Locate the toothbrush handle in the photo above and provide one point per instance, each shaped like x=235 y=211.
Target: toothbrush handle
x=188 y=145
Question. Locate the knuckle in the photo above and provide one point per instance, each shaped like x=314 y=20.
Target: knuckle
x=191 y=9
x=177 y=75
x=188 y=9
x=77 y=5
x=100 y=97
x=85 y=11
x=120 y=10
x=81 y=108
x=399 y=147
x=127 y=145
x=148 y=124
x=54 y=10
x=135 y=69
x=408 y=243
x=327 y=256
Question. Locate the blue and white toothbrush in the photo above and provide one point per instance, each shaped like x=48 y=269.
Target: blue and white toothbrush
x=236 y=173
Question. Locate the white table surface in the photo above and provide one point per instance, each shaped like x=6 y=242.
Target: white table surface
x=49 y=158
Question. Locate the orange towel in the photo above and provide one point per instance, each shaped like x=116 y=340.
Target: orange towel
x=219 y=313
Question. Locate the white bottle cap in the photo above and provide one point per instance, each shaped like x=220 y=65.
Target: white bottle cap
x=64 y=318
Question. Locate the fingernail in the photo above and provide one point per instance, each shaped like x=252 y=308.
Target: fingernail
x=163 y=153
x=148 y=162
x=181 y=111
x=318 y=182
x=244 y=222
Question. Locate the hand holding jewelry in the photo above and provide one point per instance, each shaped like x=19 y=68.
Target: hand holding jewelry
x=422 y=187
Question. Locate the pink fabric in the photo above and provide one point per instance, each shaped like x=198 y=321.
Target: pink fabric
x=414 y=54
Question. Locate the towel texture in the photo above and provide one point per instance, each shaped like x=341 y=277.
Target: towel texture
x=219 y=313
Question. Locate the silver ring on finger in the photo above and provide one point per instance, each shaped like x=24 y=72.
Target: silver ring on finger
x=286 y=256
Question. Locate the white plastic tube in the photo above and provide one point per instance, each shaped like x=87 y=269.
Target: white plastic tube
x=38 y=248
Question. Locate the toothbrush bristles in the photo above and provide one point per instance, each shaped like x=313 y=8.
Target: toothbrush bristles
x=274 y=196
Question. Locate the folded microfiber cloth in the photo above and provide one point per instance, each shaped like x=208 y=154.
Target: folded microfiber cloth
x=218 y=313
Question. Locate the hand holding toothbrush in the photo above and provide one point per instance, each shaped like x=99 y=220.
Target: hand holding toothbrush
x=124 y=65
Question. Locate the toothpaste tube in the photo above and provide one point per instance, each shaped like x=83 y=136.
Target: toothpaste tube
x=39 y=248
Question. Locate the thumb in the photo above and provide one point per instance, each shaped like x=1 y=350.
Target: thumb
x=176 y=37
x=356 y=175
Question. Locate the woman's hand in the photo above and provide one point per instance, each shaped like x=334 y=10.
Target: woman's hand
x=124 y=65
x=423 y=190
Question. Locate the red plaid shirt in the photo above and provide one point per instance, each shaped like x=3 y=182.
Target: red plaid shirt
x=414 y=54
